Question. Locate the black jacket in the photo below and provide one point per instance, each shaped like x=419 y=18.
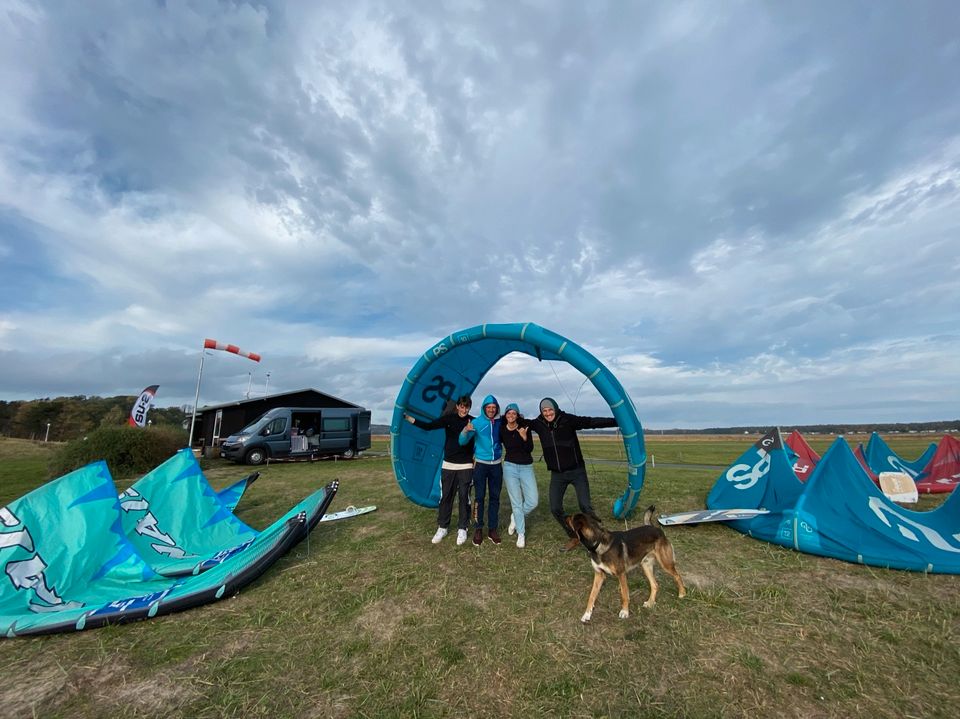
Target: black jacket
x=558 y=439
x=452 y=425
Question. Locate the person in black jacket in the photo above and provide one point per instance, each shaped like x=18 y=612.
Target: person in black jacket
x=456 y=472
x=561 y=451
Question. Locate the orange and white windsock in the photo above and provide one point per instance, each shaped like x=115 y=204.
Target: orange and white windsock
x=214 y=345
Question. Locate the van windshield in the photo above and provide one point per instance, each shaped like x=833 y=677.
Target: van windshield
x=258 y=423
x=251 y=428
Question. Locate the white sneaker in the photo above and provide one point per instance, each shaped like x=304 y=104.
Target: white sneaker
x=461 y=536
x=441 y=533
x=521 y=541
x=513 y=525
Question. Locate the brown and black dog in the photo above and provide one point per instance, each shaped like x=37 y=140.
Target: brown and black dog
x=616 y=553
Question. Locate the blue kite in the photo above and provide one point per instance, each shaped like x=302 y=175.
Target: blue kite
x=880 y=458
x=67 y=562
x=838 y=512
x=455 y=365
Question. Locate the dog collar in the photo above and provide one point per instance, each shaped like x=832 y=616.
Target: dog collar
x=593 y=549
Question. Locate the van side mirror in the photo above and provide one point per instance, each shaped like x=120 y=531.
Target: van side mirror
x=265 y=432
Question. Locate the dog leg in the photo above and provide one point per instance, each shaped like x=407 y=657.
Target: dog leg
x=624 y=597
x=598 y=578
x=668 y=561
x=647 y=565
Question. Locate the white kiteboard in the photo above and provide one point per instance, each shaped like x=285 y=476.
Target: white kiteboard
x=710 y=515
x=346 y=513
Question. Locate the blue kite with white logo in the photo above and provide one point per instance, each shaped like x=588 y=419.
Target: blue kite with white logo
x=70 y=554
x=838 y=512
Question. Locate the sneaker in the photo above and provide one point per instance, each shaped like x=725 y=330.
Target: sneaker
x=513 y=525
x=574 y=541
x=478 y=536
x=494 y=536
x=461 y=536
x=521 y=541
x=441 y=533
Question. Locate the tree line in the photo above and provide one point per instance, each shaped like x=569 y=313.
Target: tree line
x=72 y=417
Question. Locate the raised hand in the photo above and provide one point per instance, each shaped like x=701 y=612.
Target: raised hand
x=522 y=431
x=468 y=427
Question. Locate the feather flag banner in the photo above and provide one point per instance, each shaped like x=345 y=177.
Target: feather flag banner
x=138 y=413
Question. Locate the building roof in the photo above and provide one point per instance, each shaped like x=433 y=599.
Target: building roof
x=240 y=403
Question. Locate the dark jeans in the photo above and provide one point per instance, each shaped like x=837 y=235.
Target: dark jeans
x=451 y=480
x=559 y=481
x=488 y=476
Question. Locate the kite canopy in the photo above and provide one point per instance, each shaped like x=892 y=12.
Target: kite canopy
x=942 y=474
x=805 y=458
x=68 y=562
x=176 y=521
x=455 y=365
x=880 y=458
x=838 y=512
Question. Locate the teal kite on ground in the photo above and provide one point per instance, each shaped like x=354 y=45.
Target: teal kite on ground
x=176 y=521
x=880 y=458
x=68 y=564
x=838 y=512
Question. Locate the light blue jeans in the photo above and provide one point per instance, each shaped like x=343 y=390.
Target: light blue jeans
x=522 y=489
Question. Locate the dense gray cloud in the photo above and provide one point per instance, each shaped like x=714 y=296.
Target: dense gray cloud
x=750 y=211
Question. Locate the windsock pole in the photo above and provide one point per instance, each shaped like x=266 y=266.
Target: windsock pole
x=196 y=400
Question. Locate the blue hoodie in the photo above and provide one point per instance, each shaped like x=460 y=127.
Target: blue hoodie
x=487 y=432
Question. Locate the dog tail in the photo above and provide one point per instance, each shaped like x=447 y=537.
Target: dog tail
x=650 y=516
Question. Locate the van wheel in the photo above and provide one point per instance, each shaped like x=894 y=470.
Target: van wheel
x=348 y=454
x=255 y=456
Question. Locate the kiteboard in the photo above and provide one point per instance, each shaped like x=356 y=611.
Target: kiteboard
x=346 y=513
x=709 y=515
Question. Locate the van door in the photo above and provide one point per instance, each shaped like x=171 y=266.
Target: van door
x=363 y=430
x=276 y=436
x=335 y=434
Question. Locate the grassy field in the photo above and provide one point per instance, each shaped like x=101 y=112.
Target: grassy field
x=368 y=619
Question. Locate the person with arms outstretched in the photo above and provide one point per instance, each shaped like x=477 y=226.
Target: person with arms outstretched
x=456 y=472
x=557 y=431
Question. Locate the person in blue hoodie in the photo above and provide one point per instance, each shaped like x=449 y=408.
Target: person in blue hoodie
x=488 y=467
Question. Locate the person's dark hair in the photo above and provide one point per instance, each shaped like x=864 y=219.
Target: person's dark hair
x=450 y=407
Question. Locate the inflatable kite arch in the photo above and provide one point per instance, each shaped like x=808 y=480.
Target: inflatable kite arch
x=456 y=364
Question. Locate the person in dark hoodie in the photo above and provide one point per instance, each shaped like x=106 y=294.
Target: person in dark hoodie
x=456 y=472
x=557 y=431
x=488 y=468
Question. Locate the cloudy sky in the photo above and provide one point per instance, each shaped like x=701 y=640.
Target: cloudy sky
x=750 y=211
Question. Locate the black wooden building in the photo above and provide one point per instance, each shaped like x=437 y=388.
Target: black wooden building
x=217 y=422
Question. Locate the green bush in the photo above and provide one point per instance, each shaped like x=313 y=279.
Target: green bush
x=126 y=450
